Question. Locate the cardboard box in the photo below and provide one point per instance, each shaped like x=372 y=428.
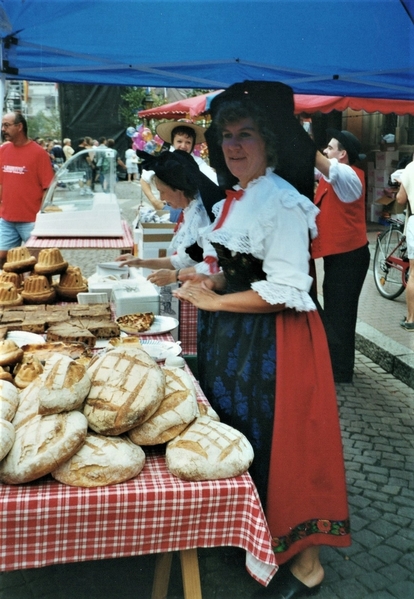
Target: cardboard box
x=141 y=296
x=390 y=205
x=156 y=238
x=386 y=159
x=374 y=194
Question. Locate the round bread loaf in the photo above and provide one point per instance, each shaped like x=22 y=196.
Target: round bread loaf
x=26 y=371
x=177 y=410
x=50 y=262
x=127 y=386
x=37 y=290
x=63 y=385
x=28 y=406
x=41 y=445
x=9 y=400
x=19 y=260
x=208 y=450
x=7 y=436
x=9 y=295
x=101 y=461
x=10 y=352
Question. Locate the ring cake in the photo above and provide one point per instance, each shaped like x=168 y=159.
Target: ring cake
x=37 y=290
x=19 y=260
x=9 y=295
x=12 y=277
x=71 y=283
x=50 y=262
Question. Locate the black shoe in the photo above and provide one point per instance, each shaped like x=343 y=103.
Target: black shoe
x=286 y=586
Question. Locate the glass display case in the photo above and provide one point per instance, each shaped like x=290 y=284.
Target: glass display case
x=81 y=201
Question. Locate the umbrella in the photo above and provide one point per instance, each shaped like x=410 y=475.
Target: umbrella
x=199 y=105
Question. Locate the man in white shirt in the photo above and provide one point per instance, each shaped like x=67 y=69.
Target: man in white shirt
x=406 y=195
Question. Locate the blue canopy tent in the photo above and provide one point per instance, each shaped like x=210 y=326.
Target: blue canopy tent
x=360 y=48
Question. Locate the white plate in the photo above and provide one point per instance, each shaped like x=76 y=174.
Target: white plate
x=160 y=350
x=24 y=338
x=161 y=324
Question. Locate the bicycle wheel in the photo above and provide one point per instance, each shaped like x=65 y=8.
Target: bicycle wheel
x=388 y=279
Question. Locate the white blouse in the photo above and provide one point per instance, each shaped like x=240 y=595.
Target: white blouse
x=195 y=217
x=274 y=223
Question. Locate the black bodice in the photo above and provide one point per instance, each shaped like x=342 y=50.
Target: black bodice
x=240 y=270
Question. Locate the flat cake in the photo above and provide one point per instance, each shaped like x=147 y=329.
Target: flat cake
x=136 y=323
x=69 y=332
x=101 y=328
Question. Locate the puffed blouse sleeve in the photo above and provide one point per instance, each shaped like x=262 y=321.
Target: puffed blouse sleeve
x=281 y=239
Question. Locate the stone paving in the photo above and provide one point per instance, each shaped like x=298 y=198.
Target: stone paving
x=377 y=419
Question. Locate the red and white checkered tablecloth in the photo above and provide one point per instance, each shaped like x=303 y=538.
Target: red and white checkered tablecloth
x=187 y=331
x=46 y=522
x=84 y=243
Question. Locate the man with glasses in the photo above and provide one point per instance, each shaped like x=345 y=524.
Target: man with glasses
x=25 y=175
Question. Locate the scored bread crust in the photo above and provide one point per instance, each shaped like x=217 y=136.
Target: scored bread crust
x=7 y=436
x=63 y=385
x=177 y=410
x=127 y=386
x=101 y=461
x=9 y=400
x=208 y=450
x=41 y=445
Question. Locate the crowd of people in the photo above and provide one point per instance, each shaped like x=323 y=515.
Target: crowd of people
x=248 y=228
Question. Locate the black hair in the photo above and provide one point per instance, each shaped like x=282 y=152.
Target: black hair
x=19 y=118
x=173 y=174
x=183 y=130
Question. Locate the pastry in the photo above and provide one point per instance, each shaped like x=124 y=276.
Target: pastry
x=10 y=352
x=9 y=295
x=71 y=283
x=26 y=371
x=19 y=260
x=136 y=323
x=37 y=290
x=50 y=262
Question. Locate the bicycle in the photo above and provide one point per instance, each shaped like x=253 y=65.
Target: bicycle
x=391 y=264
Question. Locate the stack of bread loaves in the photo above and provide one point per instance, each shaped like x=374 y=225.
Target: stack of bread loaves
x=126 y=400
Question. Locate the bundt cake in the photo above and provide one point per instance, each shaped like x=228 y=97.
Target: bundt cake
x=12 y=277
x=50 y=262
x=9 y=295
x=19 y=260
x=37 y=290
x=10 y=352
x=71 y=283
x=26 y=371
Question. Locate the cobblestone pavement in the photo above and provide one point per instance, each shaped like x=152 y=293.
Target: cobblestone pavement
x=377 y=419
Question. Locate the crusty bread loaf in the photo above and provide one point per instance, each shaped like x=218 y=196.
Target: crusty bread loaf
x=126 y=389
x=28 y=404
x=206 y=410
x=9 y=400
x=41 y=445
x=7 y=436
x=208 y=450
x=177 y=410
x=101 y=461
x=63 y=385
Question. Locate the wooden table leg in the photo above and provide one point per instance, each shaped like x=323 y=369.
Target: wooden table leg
x=161 y=576
x=190 y=574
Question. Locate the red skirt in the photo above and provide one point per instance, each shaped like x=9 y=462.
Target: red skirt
x=306 y=501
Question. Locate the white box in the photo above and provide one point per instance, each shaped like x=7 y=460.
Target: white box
x=140 y=296
x=98 y=283
x=156 y=239
x=381 y=177
x=386 y=159
x=374 y=212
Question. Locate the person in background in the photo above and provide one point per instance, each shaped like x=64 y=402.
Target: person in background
x=25 y=175
x=181 y=136
x=263 y=358
x=57 y=152
x=105 y=167
x=184 y=187
x=343 y=245
x=99 y=175
x=405 y=196
x=131 y=162
x=84 y=165
x=68 y=151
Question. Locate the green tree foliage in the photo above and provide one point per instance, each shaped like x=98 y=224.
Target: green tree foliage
x=45 y=126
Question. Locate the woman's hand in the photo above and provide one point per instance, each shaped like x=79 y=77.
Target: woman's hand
x=129 y=260
x=200 y=294
x=163 y=277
